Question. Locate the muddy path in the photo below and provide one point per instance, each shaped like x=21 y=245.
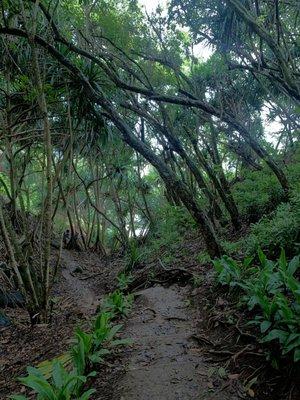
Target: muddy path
x=165 y=362
x=79 y=291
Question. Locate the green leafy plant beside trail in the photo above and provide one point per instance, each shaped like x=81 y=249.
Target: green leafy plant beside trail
x=272 y=291
x=91 y=348
x=62 y=385
x=117 y=303
x=65 y=377
x=124 y=280
x=134 y=257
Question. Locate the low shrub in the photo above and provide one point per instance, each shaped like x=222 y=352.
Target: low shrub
x=279 y=229
x=117 y=303
x=170 y=226
x=124 y=280
x=257 y=194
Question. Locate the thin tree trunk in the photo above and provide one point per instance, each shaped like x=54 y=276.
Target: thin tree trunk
x=47 y=213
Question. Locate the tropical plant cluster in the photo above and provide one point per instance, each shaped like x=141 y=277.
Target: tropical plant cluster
x=67 y=377
x=271 y=290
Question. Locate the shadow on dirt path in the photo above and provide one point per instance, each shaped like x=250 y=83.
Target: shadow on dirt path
x=165 y=363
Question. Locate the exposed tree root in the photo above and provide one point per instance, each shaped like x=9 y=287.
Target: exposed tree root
x=168 y=276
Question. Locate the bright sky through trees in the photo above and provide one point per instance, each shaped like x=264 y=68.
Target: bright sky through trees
x=151 y=5
x=204 y=51
x=200 y=50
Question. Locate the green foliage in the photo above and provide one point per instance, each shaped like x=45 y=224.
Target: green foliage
x=203 y=257
x=89 y=348
x=133 y=256
x=231 y=272
x=63 y=385
x=118 y=303
x=170 y=227
x=271 y=290
x=258 y=193
x=81 y=351
x=124 y=280
x=278 y=229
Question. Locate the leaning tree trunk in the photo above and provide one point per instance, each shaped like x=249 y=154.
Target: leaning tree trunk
x=170 y=179
x=95 y=94
x=226 y=197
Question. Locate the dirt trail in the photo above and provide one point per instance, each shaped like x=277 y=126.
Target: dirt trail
x=165 y=362
x=79 y=291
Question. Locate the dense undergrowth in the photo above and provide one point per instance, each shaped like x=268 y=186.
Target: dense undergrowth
x=270 y=221
x=273 y=220
x=261 y=267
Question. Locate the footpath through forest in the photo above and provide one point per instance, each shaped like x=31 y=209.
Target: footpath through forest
x=171 y=357
x=165 y=361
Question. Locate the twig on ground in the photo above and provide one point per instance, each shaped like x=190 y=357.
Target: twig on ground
x=239 y=353
x=248 y=335
x=200 y=338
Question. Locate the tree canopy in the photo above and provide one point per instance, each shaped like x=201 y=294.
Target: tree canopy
x=107 y=113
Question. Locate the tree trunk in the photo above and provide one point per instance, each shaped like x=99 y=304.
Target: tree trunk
x=171 y=181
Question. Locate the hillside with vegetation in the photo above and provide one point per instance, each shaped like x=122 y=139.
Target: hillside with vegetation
x=149 y=200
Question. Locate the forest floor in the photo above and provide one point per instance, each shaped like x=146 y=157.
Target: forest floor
x=185 y=345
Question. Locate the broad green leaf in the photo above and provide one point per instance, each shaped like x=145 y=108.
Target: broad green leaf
x=86 y=395
x=282 y=262
x=293 y=265
x=297 y=355
x=276 y=334
x=41 y=386
x=264 y=326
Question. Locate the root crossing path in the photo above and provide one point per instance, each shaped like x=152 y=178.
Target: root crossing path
x=165 y=362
